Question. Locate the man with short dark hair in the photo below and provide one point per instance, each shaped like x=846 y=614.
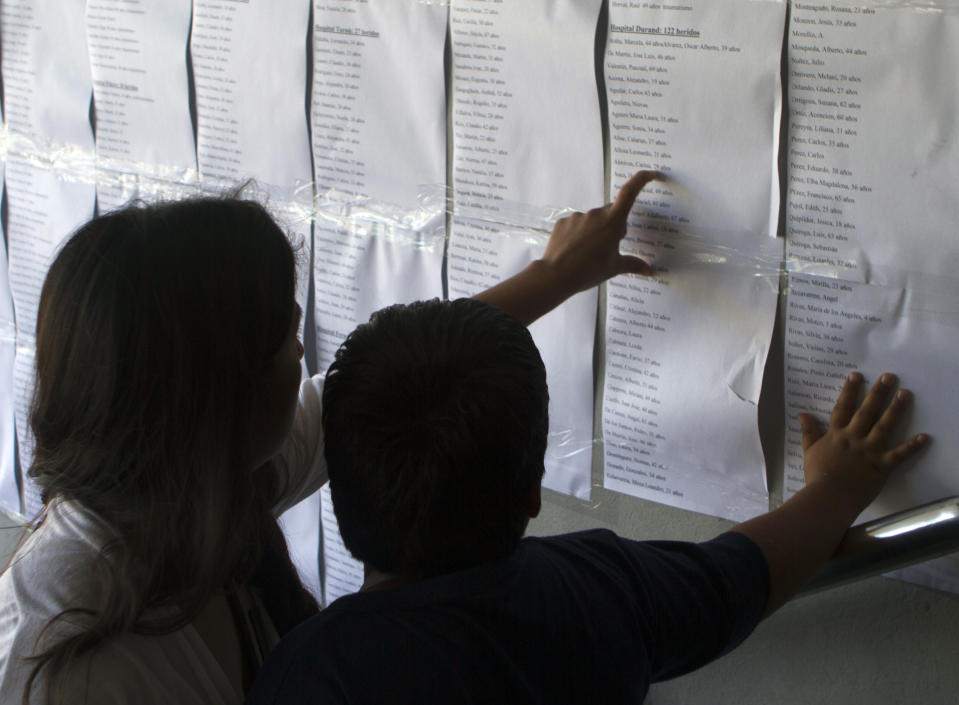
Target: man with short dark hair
x=452 y=457
x=435 y=424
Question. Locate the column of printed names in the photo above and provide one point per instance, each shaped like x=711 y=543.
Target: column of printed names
x=249 y=67
x=872 y=286
x=686 y=349
x=379 y=153
x=524 y=82
x=144 y=136
x=9 y=495
x=47 y=92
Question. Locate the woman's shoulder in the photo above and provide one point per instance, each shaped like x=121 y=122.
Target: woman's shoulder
x=136 y=669
x=54 y=569
x=56 y=556
x=68 y=532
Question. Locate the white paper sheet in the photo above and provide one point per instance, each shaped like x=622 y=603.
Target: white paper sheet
x=379 y=144
x=363 y=266
x=834 y=327
x=38 y=36
x=23 y=383
x=250 y=81
x=359 y=269
x=301 y=522
x=44 y=207
x=144 y=136
x=872 y=155
x=249 y=67
x=524 y=83
x=869 y=200
x=695 y=91
x=686 y=349
x=47 y=92
x=9 y=494
x=379 y=152
x=379 y=113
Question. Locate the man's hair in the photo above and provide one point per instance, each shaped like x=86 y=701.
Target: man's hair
x=435 y=421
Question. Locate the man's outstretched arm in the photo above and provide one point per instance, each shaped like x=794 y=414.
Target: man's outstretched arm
x=582 y=252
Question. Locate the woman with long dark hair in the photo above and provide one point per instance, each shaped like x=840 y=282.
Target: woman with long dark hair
x=171 y=429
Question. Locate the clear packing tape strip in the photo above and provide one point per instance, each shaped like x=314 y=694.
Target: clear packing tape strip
x=423 y=223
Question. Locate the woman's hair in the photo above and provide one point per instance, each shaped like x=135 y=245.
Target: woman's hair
x=156 y=325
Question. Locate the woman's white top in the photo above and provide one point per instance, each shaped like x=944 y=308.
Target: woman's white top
x=52 y=572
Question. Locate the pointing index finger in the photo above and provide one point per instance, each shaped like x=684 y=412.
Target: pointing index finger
x=630 y=190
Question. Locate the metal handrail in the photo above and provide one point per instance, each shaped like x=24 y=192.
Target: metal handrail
x=895 y=541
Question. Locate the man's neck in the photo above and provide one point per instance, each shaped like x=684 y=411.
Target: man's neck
x=375 y=580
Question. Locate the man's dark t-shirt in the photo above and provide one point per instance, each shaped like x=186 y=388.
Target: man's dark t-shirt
x=579 y=618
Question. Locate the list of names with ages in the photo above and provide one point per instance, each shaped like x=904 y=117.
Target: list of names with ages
x=47 y=112
x=144 y=135
x=512 y=117
x=869 y=143
x=679 y=413
x=379 y=142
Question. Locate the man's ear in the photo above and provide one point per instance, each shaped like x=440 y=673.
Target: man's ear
x=535 y=501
